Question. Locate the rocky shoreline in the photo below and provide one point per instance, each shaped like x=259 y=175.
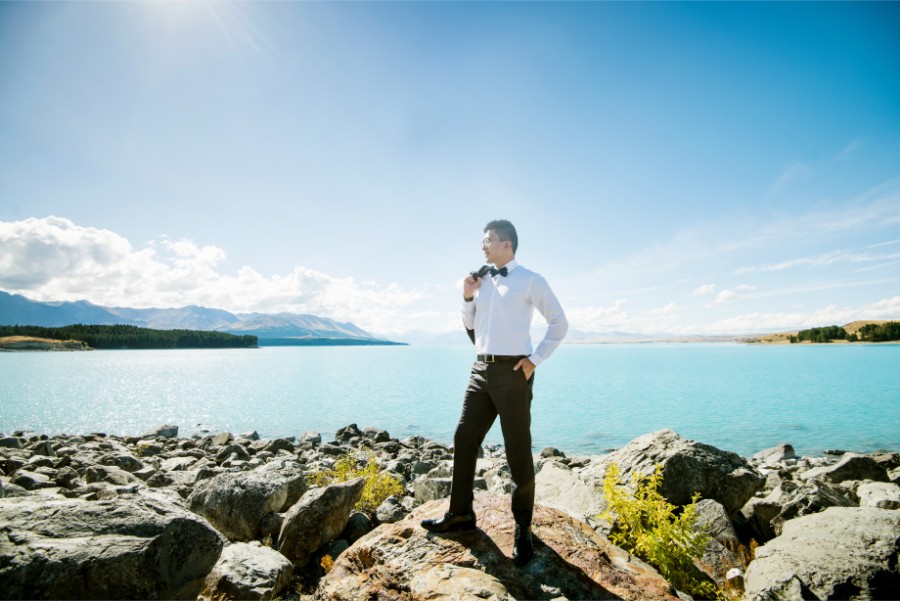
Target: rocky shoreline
x=223 y=516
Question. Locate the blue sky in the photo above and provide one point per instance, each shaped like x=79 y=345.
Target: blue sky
x=703 y=168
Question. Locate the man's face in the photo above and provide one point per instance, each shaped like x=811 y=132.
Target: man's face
x=495 y=250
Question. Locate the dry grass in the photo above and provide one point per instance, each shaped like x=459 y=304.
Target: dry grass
x=34 y=343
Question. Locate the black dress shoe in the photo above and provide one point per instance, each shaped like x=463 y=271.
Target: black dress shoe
x=523 y=548
x=451 y=521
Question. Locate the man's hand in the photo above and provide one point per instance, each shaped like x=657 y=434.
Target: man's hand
x=470 y=285
x=527 y=366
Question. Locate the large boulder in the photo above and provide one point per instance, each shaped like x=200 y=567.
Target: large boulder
x=884 y=495
x=404 y=561
x=839 y=553
x=850 y=467
x=291 y=472
x=125 y=548
x=317 y=518
x=236 y=502
x=796 y=500
x=558 y=486
x=248 y=571
x=688 y=467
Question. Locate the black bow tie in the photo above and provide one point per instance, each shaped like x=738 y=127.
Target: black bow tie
x=502 y=271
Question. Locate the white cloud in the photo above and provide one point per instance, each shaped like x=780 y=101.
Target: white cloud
x=758 y=322
x=53 y=259
x=732 y=293
x=617 y=318
x=824 y=259
x=704 y=290
x=725 y=296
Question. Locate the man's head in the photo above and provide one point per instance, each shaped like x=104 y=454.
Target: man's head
x=500 y=242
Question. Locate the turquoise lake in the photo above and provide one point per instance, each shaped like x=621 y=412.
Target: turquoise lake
x=588 y=398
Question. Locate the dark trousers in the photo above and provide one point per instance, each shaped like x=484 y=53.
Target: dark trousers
x=495 y=389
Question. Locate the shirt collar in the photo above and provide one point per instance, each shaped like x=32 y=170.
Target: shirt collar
x=510 y=266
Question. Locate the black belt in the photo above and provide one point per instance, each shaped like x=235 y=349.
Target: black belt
x=499 y=358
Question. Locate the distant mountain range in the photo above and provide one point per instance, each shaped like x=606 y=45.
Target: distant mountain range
x=279 y=329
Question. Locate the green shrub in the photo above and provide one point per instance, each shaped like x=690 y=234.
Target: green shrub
x=378 y=487
x=647 y=525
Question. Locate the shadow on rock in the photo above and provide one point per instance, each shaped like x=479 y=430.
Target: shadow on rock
x=402 y=560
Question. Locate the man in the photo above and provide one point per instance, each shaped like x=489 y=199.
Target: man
x=499 y=309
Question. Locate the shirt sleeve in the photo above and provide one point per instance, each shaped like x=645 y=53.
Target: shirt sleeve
x=548 y=306
x=468 y=314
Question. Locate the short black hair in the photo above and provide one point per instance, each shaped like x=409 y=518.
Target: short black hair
x=505 y=231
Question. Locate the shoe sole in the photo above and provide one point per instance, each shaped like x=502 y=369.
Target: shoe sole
x=454 y=527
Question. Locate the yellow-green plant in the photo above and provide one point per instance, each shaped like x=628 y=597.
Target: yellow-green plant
x=647 y=525
x=378 y=484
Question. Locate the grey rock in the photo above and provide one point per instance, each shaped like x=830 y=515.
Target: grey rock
x=279 y=444
x=429 y=489
x=805 y=499
x=884 y=495
x=420 y=468
x=778 y=454
x=13 y=490
x=177 y=464
x=270 y=525
x=39 y=461
x=123 y=461
x=688 y=468
x=159 y=480
x=319 y=517
x=376 y=434
x=391 y=510
x=850 y=467
x=358 y=525
x=755 y=520
x=291 y=472
x=148 y=448
x=235 y=503
x=108 y=473
x=248 y=571
x=31 y=480
x=43 y=448
x=165 y=431
x=839 y=553
x=54 y=548
x=313 y=438
x=145 y=472
x=332 y=449
x=232 y=452
x=336 y=547
x=552 y=452
x=443 y=470
x=11 y=442
x=68 y=478
x=560 y=487
x=347 y=433
x=14 y=463
x=712 y=517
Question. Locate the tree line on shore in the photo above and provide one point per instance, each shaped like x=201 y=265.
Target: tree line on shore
x=133 y=337
x=884 y=332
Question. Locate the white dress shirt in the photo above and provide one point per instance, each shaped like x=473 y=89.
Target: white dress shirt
x=502 y=310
